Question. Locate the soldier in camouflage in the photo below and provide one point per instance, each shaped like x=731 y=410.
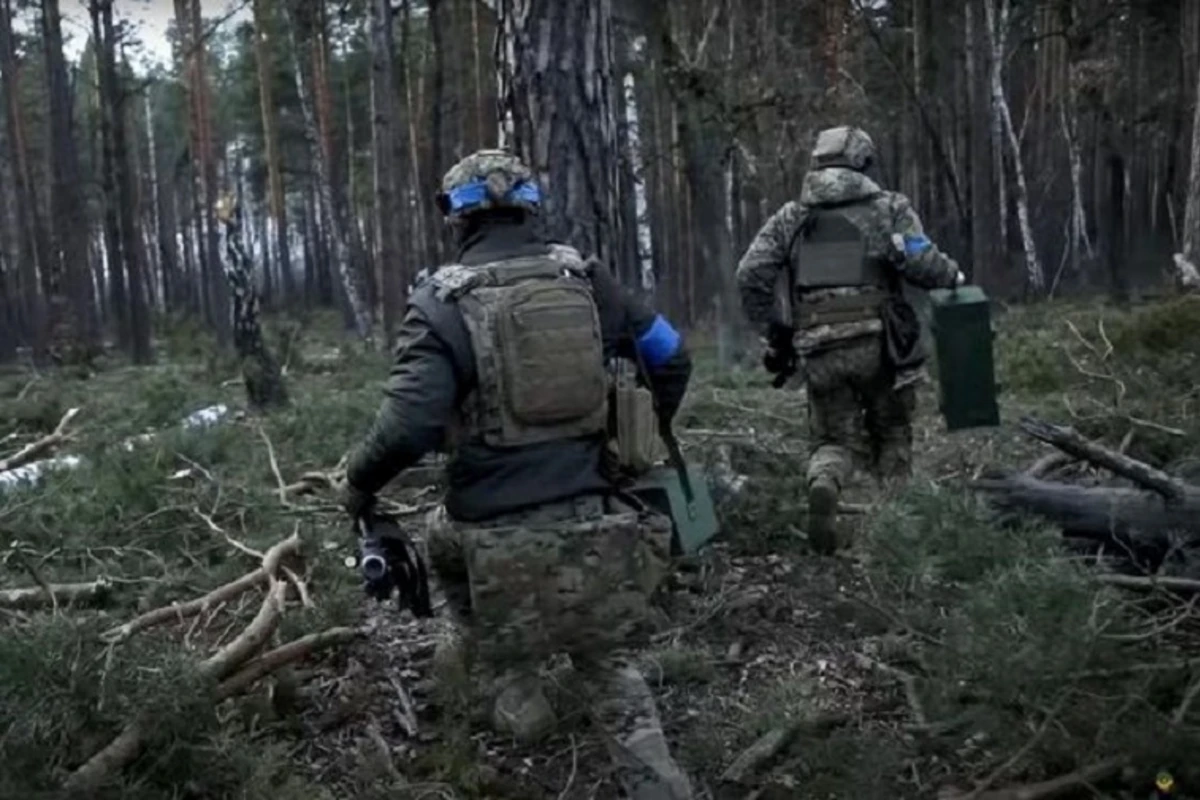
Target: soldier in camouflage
x=502 y=361
x=846 y=245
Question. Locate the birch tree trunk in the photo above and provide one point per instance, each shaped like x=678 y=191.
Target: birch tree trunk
x=556 y=76
x=633 y=143
x=326 y=210
x=260 y=371
x=997 y=27
x=383 y=137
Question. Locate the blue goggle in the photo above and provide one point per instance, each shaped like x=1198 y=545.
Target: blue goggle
x=475 y=192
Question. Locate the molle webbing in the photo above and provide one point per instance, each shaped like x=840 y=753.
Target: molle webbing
x=536 y=338
x=839 y=309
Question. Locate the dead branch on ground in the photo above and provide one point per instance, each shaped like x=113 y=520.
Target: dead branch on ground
x=1057 y=787
x=223 y=664
x=35 y=450
x=1071 y=442
x=281 y=656
x=179 y=611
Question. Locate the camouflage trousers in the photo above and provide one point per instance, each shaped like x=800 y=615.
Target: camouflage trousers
x=858 y=417
x=570 y=578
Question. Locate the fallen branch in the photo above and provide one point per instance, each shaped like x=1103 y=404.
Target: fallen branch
x=50 y=594
x=179 y=611
x=250 y=640
x=1047 y=464
x=35 y=450
x=279 y=482
x=125 y=748
x=1057 y=787
x=773 y=743
x=1149 y=582
x=1071 y=442
x=283 y=655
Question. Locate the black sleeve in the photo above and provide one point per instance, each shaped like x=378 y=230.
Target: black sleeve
x=632 y=329
x=419 y=399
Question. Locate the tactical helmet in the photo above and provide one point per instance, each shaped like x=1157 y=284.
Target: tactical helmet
x=488 y=179
x=844 y=146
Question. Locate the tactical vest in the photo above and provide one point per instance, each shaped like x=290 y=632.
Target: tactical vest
x=539 y=357
x=830 y=252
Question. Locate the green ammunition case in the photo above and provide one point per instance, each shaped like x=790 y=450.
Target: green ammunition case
x=962 y=334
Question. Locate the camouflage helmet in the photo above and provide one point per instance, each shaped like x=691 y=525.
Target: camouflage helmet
x=844 y=146
x=488 y=179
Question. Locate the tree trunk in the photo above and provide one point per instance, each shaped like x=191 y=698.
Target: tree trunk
x=326 y=210
x=998 y=29
x=270 y=121
x=987 y=266
x=202 y=99
x=1187 y=265
x=30 y=253
x=437 y=102
x=68 y=259
x=260 y=371
x=383 y=129
x=633 y=145
x=705 y=151
x=112 y=101
x=557 y=72
x=114 y=258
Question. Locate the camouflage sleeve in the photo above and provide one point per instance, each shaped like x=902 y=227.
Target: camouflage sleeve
x=419 y=398
x=925 y=265
x=759 y=268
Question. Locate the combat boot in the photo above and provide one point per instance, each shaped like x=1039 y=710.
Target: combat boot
x=822 y=514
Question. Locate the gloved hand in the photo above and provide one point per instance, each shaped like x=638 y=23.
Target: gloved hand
x=780 y=355
x=354 y=500
x=959 y=278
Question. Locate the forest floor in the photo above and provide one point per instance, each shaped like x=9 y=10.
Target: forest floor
x=945 y=655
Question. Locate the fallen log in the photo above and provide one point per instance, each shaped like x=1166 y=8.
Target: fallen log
x=1073 y=443
x=48 y=595
x=1094 y=512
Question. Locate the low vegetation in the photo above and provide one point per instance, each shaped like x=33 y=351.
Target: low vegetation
x=951 y=653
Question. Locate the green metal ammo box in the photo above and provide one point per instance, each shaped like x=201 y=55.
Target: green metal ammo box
x=962 y=335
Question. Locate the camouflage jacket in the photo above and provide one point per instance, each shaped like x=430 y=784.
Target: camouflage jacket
x=434 y=369
x=878 y=213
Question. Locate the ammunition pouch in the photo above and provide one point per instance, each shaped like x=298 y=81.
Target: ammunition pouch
x=633 y=431
x=840 y=309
